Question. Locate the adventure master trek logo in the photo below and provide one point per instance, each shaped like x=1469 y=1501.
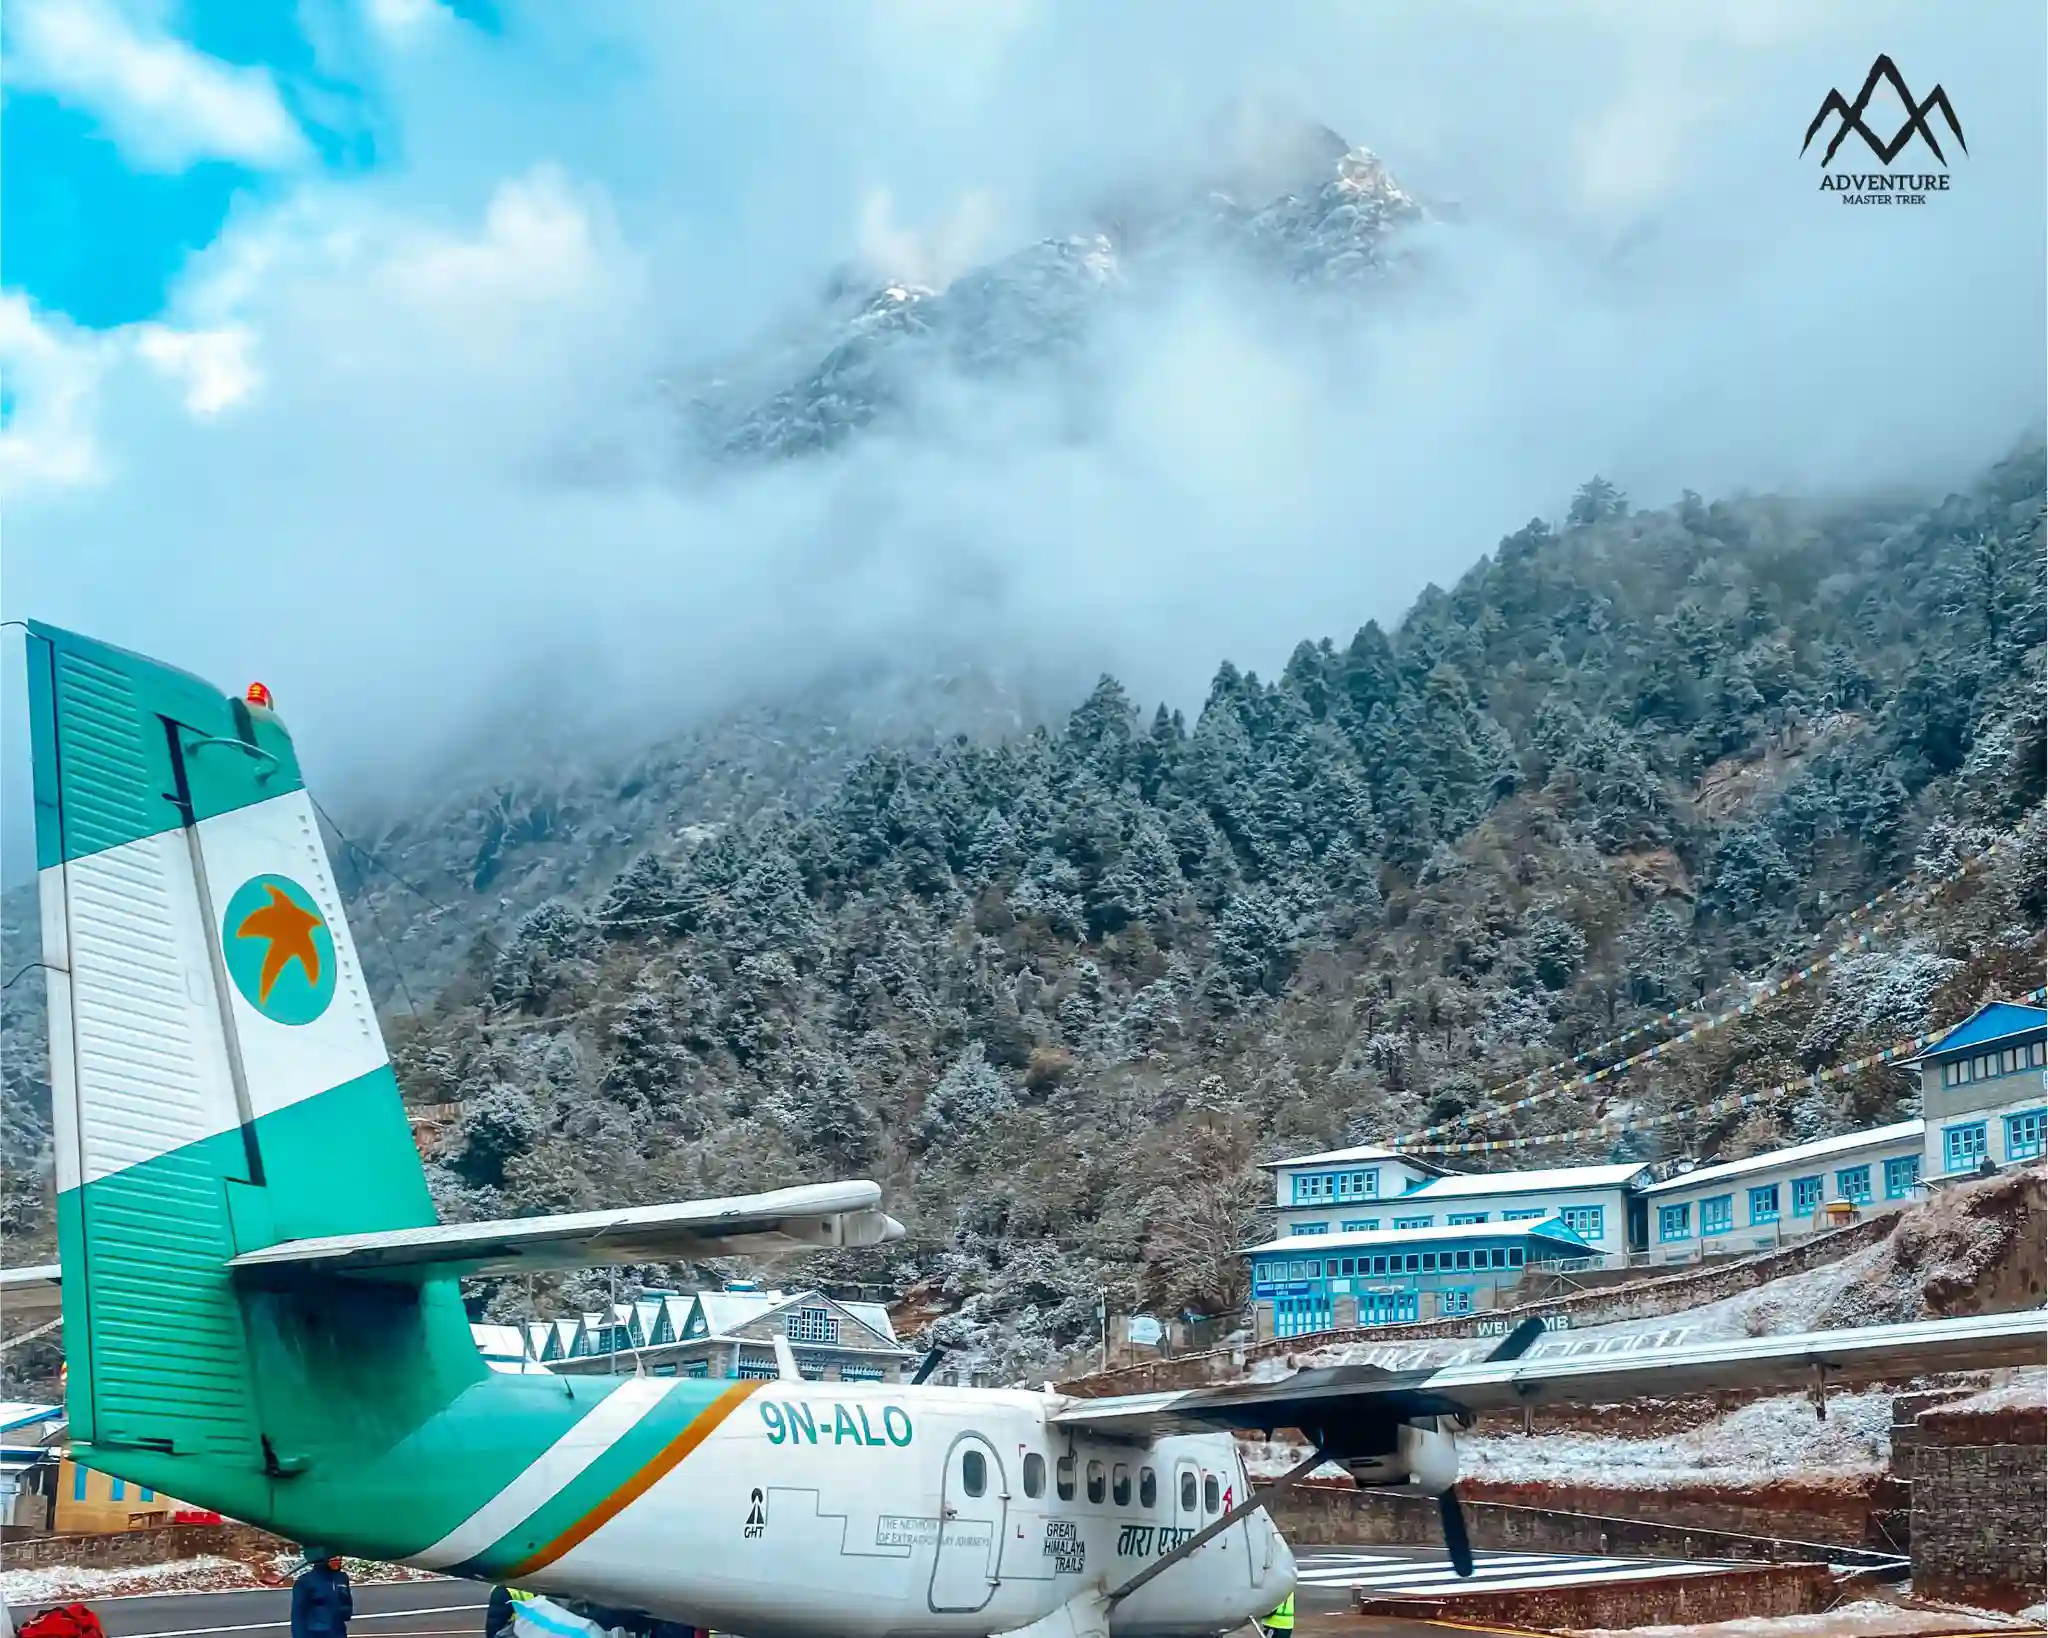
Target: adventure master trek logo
x=1849 y=119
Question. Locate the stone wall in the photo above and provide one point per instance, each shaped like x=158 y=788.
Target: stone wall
x=121 y=1549
x=1677 y=1600
x=1979 y=1471
x=1645 y=1523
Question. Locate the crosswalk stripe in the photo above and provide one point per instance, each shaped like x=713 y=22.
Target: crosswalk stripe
x=1414 y=1578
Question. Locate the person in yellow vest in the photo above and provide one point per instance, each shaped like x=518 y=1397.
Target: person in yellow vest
x=498 y=1612
x=1282 y=1619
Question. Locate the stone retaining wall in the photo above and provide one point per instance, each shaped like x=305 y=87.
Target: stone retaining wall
x=1980 y=1505
x=1679 y=1600
x=122 y=1549
x=1642 y=1524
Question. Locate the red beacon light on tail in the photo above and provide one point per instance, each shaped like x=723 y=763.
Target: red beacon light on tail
x=259 y=695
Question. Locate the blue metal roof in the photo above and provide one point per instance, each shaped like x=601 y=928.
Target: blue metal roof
x=1994 y=1021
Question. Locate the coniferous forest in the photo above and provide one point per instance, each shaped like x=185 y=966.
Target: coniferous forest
x=1061 y=989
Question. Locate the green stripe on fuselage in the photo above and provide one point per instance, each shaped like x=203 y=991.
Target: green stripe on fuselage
x=385 y=1428
x=684 y=1402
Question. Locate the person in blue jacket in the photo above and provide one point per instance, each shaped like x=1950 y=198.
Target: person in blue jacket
x=322 y=1601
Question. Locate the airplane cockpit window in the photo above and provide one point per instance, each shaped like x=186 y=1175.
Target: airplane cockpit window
x=1064 y=1474
x=1034 y=1475
x=1148 y=1488
x=1187 y=1492
x=1120 y=1486
x=973 y=1472
x=1098 y=1481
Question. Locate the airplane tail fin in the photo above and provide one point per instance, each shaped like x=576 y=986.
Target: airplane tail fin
x=219 y=1084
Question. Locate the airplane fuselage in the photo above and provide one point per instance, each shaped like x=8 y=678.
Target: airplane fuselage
x=863 y=1509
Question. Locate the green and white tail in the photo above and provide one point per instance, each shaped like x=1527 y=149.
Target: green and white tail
x=220 y=1084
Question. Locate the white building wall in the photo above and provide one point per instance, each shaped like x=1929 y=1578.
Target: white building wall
x=1998 y=1129
x=1804 y=1187
x=1508 y=1205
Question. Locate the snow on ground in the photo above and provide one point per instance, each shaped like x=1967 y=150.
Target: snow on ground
x=2020 y=1391
x=1766 y=1441
x=1771 y=1439
x=59 y=1583
x=1869 y=1618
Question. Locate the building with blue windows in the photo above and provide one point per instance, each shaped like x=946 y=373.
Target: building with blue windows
x=1766 y=1199
x=1302 y=1283
x=1981 y=1092
x=1345 y=1191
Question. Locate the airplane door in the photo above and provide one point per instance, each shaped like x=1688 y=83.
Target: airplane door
x=973 y=1513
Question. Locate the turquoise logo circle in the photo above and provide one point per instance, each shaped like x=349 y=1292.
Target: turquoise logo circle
x=278 y=949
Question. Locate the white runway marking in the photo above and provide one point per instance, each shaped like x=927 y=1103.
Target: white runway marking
x=1392 y=1576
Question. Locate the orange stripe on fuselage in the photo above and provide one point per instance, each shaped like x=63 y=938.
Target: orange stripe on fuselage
x=663 y=1462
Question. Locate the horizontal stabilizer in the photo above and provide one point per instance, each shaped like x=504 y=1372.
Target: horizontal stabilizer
x=816 y=1217
x=23 y=1290
x=1870 y=1353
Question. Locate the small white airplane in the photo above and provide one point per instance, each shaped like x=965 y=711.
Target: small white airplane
x=261 y=1314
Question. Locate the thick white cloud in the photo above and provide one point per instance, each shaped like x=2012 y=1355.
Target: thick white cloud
x=52 y=373
x=440 y=427
x=167 y=105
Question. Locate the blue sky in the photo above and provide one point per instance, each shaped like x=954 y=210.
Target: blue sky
x=359 y=321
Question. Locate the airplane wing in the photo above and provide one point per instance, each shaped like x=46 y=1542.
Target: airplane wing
x=1344 y=1392
x=23 y=1290
x=816 y=1217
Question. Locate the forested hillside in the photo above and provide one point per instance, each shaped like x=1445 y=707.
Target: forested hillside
x=1061 y=989
x=1060 y=993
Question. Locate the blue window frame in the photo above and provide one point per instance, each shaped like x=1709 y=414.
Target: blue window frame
x=1322 y=1227
x=1526 y=1214
x=79 y=1478
x=1414 y=1222
x=1805 y=1196
x=1763 y=1203
x=1853 y=1183
x=1674 y=1222
x=1587 y=1222
x=1297 y=1270
x=1361 y=1225
x=1458 y=1217
x=1901 y=1176
x=2023 y=1133
x=1717 y=1216
x=1358 y=1185
x=146 y=1494
x=1457 y=1300
x=697 y=1367
x=1963 y=1147
x=1310 y=1187
x=119 y=1492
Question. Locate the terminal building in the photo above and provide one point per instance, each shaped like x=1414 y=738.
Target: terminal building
x=730 y=1333
x=1370 y=1236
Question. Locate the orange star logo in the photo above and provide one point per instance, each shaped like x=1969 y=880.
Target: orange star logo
x=289 y=928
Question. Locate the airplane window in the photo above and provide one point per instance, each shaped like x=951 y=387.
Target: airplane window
x=973 y=1473
x=1187 y=1492
x=1034 y=1474
x=1212 y=1494
x=1097 y=1482
x=1064 y=1474
x=1148 y=1488
x=1120 y=1486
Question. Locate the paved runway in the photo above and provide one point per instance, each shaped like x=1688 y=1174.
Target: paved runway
x=403 y=1609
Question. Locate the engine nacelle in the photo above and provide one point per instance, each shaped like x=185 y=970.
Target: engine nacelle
x=1425 y=1454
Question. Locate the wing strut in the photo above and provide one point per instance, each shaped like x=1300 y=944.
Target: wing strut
x=1201 y=1538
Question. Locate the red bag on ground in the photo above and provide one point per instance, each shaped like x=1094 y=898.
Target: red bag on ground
x=65 y=1621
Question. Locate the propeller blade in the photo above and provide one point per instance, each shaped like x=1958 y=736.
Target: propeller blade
x=1518 y=1341
x=1457 y=1541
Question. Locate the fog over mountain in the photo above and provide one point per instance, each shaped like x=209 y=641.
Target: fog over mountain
x=540 y=424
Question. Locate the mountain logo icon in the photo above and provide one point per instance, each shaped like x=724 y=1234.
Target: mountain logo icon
x=1850 y=114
